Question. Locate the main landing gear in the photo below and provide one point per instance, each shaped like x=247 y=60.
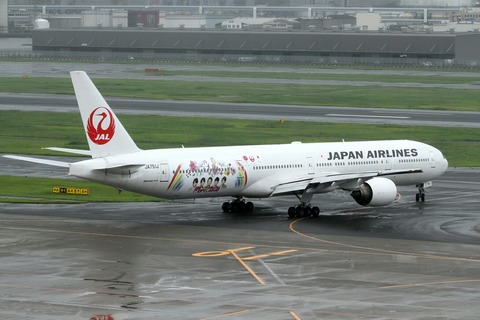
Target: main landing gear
x=238 y=205
x=303 y=210
x=420 y=196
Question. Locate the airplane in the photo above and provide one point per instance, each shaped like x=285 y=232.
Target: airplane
x=369 y=170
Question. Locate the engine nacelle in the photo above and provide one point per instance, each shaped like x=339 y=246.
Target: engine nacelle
x=375 y=192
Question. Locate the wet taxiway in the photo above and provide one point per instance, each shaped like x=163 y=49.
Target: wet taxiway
x=190 y=261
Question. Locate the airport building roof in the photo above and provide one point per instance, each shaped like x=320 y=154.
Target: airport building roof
x=369 y=44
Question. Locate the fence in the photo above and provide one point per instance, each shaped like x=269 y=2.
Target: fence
x=29 y=54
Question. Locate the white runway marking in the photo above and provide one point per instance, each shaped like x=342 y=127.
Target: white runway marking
x=364 y=116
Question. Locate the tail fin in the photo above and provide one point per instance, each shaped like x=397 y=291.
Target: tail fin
x=106 y=135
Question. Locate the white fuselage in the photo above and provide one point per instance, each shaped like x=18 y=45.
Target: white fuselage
x=255 y=171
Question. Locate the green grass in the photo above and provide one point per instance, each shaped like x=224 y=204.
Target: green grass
x=39 y=190
x=27 y=132
x=325 y=75
x=333 y=95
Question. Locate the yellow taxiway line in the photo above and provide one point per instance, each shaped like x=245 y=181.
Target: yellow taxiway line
x=246 y=267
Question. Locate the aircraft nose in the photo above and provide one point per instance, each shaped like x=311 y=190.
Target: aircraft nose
x=444 y=163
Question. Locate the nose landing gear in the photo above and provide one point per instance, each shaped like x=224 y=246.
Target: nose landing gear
x=420 y=196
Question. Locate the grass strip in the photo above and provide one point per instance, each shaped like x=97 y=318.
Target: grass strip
x=39 y=190
x=325 y=75
x=27 y=132
x=296 y=94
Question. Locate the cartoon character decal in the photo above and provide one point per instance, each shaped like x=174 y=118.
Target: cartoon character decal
x=208 y=176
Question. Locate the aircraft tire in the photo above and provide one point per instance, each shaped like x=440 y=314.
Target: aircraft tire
x=292 y=212
x=240 y=206
x=249 y=207
x=226 y=207
x=299 y=211
x=307 y=211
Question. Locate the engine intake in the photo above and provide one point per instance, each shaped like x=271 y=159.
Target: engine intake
x=375 y=192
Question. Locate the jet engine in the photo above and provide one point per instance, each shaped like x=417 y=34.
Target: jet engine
x=375 y=192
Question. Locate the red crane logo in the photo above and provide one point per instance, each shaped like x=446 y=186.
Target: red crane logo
x=101 y=126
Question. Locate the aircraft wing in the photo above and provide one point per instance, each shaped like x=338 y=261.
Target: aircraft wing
x=297 y=186
x=346 y=181
x=393 y=172
x=339 y=177
x=41 y=161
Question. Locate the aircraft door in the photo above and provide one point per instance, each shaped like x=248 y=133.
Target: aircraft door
x=164 y=172
x=388 y=164
x=432 y=160
x=310 y=165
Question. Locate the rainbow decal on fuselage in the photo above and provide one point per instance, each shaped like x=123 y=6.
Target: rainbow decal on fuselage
x=242 y=177
x=177 y=180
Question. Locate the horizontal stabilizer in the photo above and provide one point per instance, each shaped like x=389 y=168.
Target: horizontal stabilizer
x=122 y=170
x=117 y=166
x=41 y=161
x=78 y=168
x=68 y=150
